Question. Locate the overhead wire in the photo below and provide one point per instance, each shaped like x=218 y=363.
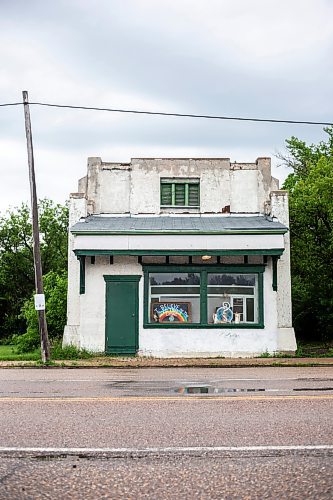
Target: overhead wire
x=10 y=104
x=178 y=115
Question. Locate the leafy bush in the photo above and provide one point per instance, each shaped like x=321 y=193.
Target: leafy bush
x=27 y=342
x=6 y=340
x=55 y=289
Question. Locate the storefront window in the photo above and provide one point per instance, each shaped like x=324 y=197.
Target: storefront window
x=232 y=298
x=174 y=298
x=208 y=297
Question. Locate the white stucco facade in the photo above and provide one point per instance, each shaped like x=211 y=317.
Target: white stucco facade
x=132 y=191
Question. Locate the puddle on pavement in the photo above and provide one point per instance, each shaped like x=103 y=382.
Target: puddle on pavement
x=207 y=389
x=153 y=387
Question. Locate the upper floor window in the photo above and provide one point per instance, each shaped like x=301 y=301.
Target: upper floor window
x=180 y=193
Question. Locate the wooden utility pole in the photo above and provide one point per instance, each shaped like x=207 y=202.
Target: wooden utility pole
x=44 y=340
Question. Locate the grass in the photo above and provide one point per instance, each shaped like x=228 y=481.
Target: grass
x=305 y=350
x=69 y=352
x=7 y=353
x=315 y=349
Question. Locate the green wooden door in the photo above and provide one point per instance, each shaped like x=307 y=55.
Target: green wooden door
x=122 y=321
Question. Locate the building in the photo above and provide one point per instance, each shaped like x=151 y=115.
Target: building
x=177 y=257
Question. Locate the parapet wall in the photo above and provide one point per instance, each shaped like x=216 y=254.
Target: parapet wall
x=134 y=188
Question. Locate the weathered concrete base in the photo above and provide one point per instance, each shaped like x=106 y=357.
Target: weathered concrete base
x=236 y=343
x=286 y=341
x=204 y=355
x=208 y=355
x=71 y=336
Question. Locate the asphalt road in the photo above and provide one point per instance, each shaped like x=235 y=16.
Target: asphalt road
x=166 y=433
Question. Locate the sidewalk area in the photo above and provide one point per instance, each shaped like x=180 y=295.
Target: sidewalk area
x=138 y=362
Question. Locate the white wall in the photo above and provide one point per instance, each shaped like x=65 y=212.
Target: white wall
x=286 y=338
x=135 y=187
x=115 y=191
x=181 y=242
x=280 y=209
x=77 y=209
x=244 y=191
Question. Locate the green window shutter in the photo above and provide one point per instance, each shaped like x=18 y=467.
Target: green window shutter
x=166 y=194
x=180 y=195
x=193 y=195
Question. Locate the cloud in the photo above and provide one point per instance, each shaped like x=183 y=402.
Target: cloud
x=265 y=59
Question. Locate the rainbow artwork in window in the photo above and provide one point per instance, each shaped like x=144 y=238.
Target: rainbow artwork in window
x=171 y=312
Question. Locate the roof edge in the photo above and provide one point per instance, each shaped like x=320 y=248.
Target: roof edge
x=177 y=232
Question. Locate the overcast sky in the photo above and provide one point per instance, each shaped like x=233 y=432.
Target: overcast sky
x=261 y=58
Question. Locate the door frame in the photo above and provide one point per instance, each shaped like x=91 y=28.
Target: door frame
x=135 y=278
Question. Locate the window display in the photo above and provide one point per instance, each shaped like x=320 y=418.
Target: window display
x=231 y=298
x=204 y=298
x=174 y=297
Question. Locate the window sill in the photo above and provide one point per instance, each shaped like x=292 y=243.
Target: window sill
x=220 y=326
x=179 y=210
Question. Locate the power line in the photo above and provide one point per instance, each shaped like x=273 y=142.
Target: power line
x=181 y=115
x=11 y=104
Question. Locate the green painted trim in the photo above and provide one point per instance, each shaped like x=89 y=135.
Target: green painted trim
x=203 y=296
x=200 y=326
x=172 y=182
x=261 y=298
x=82 y=260
x=179 y=232
x=243 y=268
x=147 y=253
x=145 y=297
x=274 y=282
x=181 y=207
x=125 y=351
x=122 y=277
x=180 y=180
x=230 y=268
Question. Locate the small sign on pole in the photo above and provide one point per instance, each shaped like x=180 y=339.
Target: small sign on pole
x=39 y=302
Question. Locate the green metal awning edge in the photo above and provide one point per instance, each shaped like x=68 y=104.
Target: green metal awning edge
x=91 y=252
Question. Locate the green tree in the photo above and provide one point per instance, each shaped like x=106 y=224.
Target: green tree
x=301 y=156
x=16 y=258
x=311 y=222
